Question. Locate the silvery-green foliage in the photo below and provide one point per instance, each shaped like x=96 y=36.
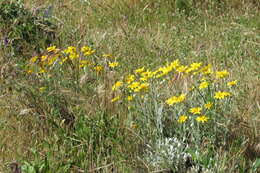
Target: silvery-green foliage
x=167 y=153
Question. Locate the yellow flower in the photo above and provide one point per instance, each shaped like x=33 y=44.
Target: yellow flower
x=195 y=110
x=140 y=70
x=87 y=50
x=181 y=68
x=52 y=49
x=202 y=118
x=182 y=119
x=193 y=67
x=98 y=68
x=43 y=58
x=144 y=86
x=42 y=70
x=33 y=59
x=107 y=55
x=130 y=98
x=117 y=85
x=175 y=64
x=115 y=99
x=113 y=64
x=73 y=56
x=221 y=95
x=70 y=50
x=175 y=99
x=41 y=89
x=206 y=70
x=130 y=79
x=208 y=105
x=232 y=83
x=29 y=71
x=203 y=85
x=84 y=63
x=222 y=74
x=52 y=59
x=133 y=85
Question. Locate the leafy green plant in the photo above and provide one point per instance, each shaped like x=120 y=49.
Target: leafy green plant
x=24 y=30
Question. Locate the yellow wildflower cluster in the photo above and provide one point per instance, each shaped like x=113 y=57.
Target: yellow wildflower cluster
x=69 y=55
x=176 y=99
x=221 y=95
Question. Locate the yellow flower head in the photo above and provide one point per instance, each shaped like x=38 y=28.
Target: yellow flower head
x=203 y=85
x=202 y=118
x=115 y=99
x=221 y=95
x=133 y=85
x=44 y=57
x=98 y=68
x=195 y=110
x=140 y=70
x=181 y=68
x=70 y=50
x=52 y=49
x=208 y=105
x=206 y=70
x=107 y=55
x=232 y=83
x=117 y=85
x=113 y=64
x=34 y=59
x=130 y=79
x=182 y=119
x=175 y=99
x=222 y=74
x=130 y=98
x=193 y=67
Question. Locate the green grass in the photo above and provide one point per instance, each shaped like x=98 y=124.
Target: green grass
x=72 y=126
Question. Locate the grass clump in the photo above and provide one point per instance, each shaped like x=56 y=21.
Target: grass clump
x=132 y=86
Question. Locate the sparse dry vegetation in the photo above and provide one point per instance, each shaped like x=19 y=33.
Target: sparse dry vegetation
x=130 y=86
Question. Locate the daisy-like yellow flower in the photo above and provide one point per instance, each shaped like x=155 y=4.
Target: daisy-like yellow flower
x=231 y=83
x=133 y=85
x=34 y=59
x=43 y=58
x=182 y=119
x=208 y=105
x=221 y=95
x=195 y=110
x=113 y=64
x=42 y=70
x=202 y=118
x=193 y=67
x=140 y=70
x=130 y=79
x=115 y=99
x=87 y=50
x=203 y=85
x=107 y=55
x=52 y=49
x=29 y=71
x=98 y=68
x=222 y=74
x=70 y=50
x=117 y=85
x=84 y=63
x=206 y=70
x=181 y=68
x=130 y=98
x=175 y=99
